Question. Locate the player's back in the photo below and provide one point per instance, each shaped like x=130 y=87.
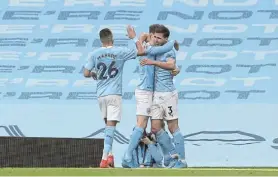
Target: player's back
x=164 y=78
x=109 y=63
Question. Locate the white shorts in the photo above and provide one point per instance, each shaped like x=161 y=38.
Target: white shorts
x=165 y=106
x=144 y=100
x=111 y=107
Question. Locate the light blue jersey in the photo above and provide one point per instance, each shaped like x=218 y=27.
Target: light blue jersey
x=146 y=73
x=147 y=155
x=164 y=78
x=108 y=63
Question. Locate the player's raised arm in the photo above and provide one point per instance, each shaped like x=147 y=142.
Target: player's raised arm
x=140 y=48
x=132 y=35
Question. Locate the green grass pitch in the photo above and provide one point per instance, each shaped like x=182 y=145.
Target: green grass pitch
x=138 y=172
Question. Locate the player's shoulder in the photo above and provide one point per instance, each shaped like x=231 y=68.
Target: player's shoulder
x=120 y=52
x=115 y=50
x=98 y=50
x=170 y=54
x=126 y=50
x=119 y=48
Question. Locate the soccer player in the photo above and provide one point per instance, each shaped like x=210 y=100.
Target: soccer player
x=166 y=99
x=147 y=153
x=144 y=94
x=106 y=66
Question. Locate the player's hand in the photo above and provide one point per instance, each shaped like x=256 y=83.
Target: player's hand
x=146 y=61
x=130 y=32
x=175 y=72
x=94 y=75
x=176 y=46
x=146 y=140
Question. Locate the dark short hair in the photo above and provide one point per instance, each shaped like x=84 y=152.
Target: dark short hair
x=153 y=27
x=163 y=29
x=106 y=35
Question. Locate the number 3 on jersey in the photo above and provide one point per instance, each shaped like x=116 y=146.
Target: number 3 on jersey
x=111 y=73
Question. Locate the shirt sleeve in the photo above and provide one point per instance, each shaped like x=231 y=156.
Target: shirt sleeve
x=90 y=64
x=171 y=54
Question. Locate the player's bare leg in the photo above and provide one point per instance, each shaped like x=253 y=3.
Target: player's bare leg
x=142 y=121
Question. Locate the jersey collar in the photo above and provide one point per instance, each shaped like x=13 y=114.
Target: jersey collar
x=107 y=47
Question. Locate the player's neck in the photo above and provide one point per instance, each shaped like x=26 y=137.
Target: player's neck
x=109 y=44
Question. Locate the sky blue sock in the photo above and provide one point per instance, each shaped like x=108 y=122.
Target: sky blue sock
x=179 y=143
x=133 y=142
x=108 y=138
x=165 y=142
